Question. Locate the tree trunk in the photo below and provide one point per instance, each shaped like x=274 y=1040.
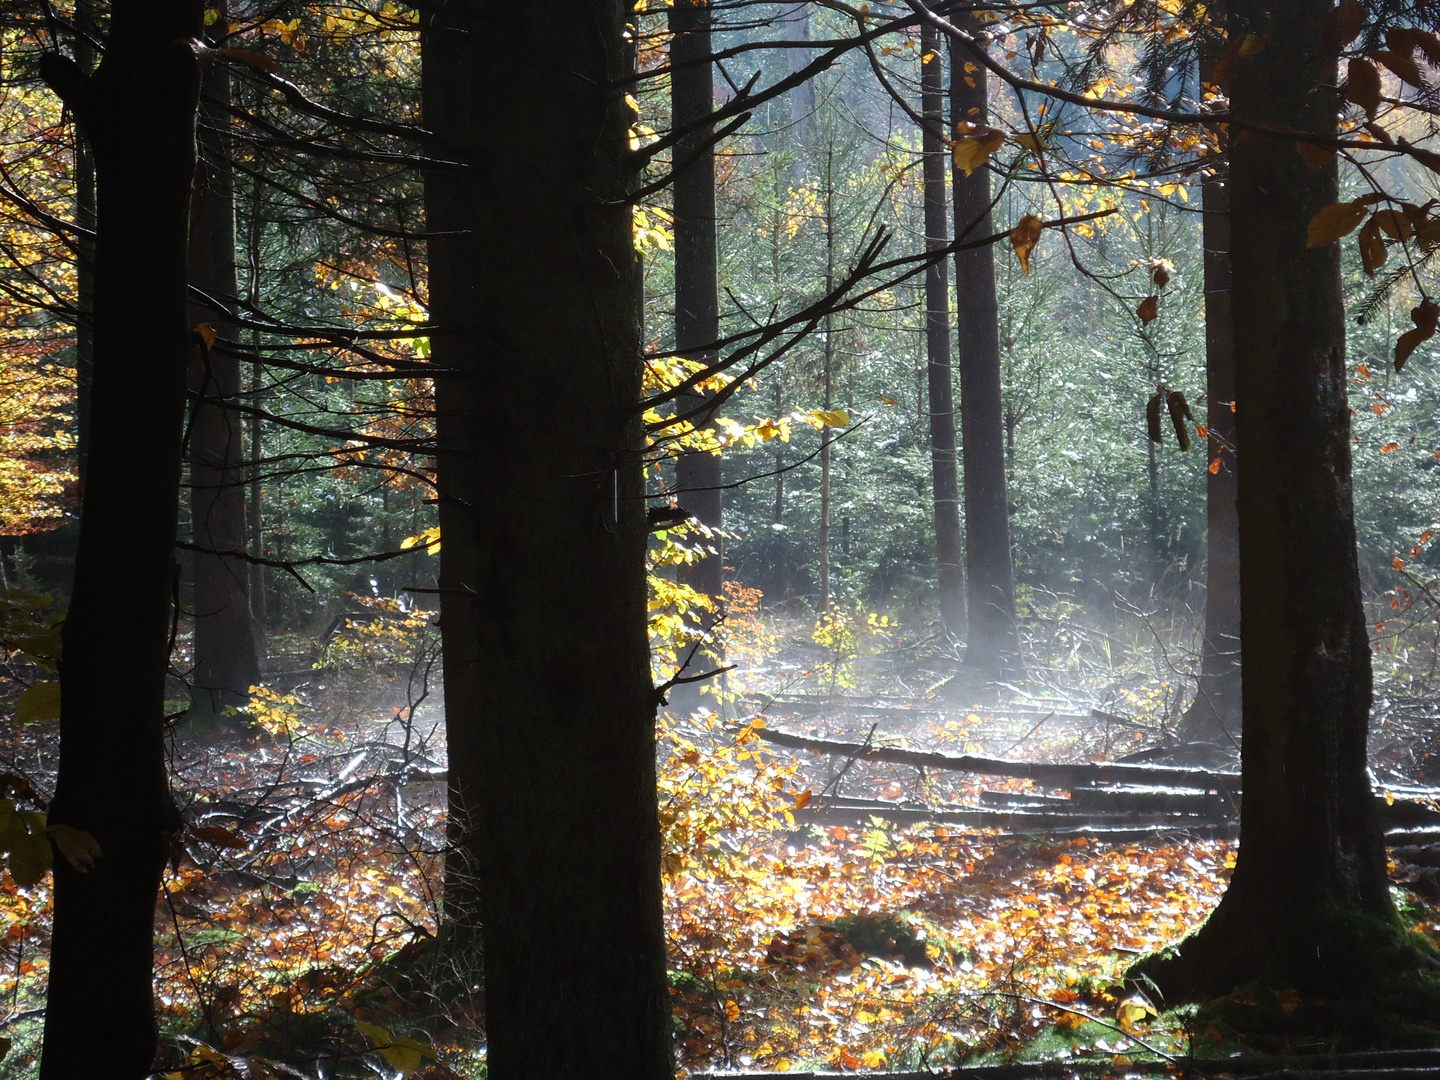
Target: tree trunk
x=85 y=255
x=697 y=306
x=1311 y=860
x=944 y=468
x=796 y=21
x=138 y=112
x=548 y=694
x=1214 y=716
x=226 y=663
x=993 y=650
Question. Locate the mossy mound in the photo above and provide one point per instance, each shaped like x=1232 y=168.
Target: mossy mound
x=1335 y=981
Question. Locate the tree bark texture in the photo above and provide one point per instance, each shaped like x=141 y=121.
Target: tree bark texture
x=697 y=304
x=1310 y=843
x=944 y=467
x=1214 y=716
x=993 y=649
x=547 y=681
x=138 y=113
x=226 y=660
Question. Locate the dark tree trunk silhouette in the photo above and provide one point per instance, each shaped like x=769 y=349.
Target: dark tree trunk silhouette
x=944 y=467
x=85 y=254
x=226 y=663
x=549 y=702
x=1214 y=716
x=138 y=113
x=1311 y=859
x=697 y=305
x=992 y=650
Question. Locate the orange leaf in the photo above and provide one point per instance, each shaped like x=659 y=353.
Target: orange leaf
x=1399 y=563
x=1289 y=1001
x=1201 y=430
x=1215 y=467
x=1389 y=446
x=1149 y=308
x=973 y=145
x=803 y=799
x=1023 y=237
x=732 y=1011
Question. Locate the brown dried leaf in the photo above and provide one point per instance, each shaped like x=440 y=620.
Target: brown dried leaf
x=1149 y=308
x=1317 y=157
x=1179 y=413
x=1023 y=237
x=1402 y=64
x=1152 y=419
x=1372 y=248
x=1334 y=221
x=1342 y=25
x=1395 y=224
x=1362 y=85
x=1425 y=318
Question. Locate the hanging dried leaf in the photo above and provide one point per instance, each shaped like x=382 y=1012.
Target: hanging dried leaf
x=1372 y=247
x=1425 y=318
x=1152 y=418
x=1395 y=224
x=1160 y=274
x=1406 y=39
x=1362 y=85
x=1316 y=157
x=1149 y=308
x=1023 y=237
x=1333 y=222
x=973 y=145
x=1179 y=413
x=1402 y=65
x=1342 y=26
x=1379 y=134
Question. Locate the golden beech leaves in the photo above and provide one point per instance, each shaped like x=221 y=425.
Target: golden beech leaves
x=1023 y=237
x=1425 y=318
x=974 y=143
x=78 y=846
x=1334 y=221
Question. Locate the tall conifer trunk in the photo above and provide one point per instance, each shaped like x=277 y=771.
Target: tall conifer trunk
x=697 y=304
x=993 y=649
x=138 y=112
x=944 y=466
x=1311 y=857
x=1214 y=716
x=548 y=695
x=226 y=662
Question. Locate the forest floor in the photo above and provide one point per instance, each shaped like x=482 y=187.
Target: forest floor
x=299 y=911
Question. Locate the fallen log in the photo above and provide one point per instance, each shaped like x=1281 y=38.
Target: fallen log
x=1053 y=774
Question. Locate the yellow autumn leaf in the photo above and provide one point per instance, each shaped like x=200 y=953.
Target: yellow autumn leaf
x=829 y=417
x=1023 y=238
x=1334 y=221
x=1029 y=142
x=430 y=538
x=973 y=145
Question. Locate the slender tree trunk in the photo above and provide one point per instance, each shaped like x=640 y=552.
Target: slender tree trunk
x=138 y=111
x=993 y=650
x=944 y=467
x=796 y=22
x=257 y=443
x=1214 y=716
x=226 y=663
x=85 y=261
x=827 y=378
x=1311 y=862
x=548 y=695
x=697 y=304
